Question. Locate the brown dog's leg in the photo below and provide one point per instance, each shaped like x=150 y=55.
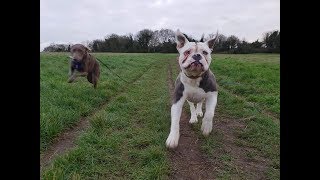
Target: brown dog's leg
x=89 y=77
x=96 y=74
x=72 y=77
x=82 y=74
x=95 y=81
x=76 y=74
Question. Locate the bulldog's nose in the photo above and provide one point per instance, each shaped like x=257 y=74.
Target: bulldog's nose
x=196 y=57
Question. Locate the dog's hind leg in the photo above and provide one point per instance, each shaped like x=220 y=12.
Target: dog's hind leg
x=92 y=78
x=95 y=81
x=193 y=118
x=199 y=109
x=95 y=75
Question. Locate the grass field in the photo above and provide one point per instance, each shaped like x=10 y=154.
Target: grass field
x=62 y=104
x=126 y=139
x=249 y=91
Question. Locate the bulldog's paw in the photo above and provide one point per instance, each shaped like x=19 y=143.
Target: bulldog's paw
x=172 y=140
x=193 y=120
x=199 y=113
x=206 y=127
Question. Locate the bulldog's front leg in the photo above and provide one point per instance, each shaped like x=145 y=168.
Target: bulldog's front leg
x=176 y=109
x=211 y=102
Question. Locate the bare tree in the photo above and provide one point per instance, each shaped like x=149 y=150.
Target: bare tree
x=143 y=37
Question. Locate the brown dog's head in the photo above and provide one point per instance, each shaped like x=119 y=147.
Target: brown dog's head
x=79 y=51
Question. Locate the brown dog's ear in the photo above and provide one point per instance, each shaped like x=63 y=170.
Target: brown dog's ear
x=88 y=49
x=181 y=40
x=211 y=42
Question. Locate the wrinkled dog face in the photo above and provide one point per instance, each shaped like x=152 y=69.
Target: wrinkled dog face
x=195 y=57
x=78 y=51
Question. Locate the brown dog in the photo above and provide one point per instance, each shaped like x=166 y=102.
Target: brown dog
x=83 y=64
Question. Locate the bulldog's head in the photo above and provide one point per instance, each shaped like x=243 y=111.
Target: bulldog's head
x=195 y=57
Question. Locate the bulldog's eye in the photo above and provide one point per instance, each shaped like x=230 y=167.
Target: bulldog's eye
x=205 y=52
x=187 y=52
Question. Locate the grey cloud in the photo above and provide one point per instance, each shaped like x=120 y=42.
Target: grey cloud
x=74 y=21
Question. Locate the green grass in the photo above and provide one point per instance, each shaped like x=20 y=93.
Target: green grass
x=62 y=104
x=126 y=140
x=261 y=133
x=255 y=79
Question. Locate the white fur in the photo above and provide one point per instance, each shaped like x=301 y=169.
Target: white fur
x=194 y=118
x=176 y=109
x=195 y=111
x=192 y=93
x=199 y=109
x=195 y=48
x=211 y=102
x=191 y=88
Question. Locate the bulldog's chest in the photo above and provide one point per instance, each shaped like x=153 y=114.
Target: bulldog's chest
x=194 y=94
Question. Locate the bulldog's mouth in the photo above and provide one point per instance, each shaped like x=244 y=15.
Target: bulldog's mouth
x=195 y=66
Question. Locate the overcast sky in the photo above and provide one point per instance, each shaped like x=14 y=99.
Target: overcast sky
x=75 y=21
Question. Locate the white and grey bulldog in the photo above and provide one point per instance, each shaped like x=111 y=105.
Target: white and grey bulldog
x=195 y=83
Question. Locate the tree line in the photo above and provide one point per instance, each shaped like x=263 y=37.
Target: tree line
x=163 y=41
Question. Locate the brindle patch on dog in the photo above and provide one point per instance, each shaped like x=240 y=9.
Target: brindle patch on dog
x=178 y=91
x=208 y=82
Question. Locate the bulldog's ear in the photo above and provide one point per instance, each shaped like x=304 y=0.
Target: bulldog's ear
x=181 y=40
x=212 y=41
x=202 y=38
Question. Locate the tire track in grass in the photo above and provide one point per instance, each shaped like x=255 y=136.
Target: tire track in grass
x=187 y=160
x=126 y=139
x=266 y=112
x=66 y=140
x=219 y=156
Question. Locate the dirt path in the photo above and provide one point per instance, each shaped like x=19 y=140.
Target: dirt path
x=66 y=140
x=63 y=142
x=190 y=162
x=241 y=164
x=187 y=160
